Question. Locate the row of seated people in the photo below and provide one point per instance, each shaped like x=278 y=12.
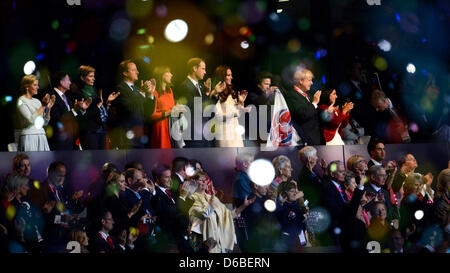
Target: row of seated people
x=351 y=207
x=155 y=114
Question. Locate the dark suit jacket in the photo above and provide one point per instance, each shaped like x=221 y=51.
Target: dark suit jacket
x=97 y=245
x=165 y=210
x=305 y=118
x=176 y=184
x=63 y=123
x=333 y=202
x=354 y=231
x=311 y=185
x=129 y=111
x=387 y=199
x=186 y=92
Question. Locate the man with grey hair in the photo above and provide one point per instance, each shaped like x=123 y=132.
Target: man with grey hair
x=303 y=107
x=377 y=179
x=334 y=197
x=309 y=182
x=242 y=182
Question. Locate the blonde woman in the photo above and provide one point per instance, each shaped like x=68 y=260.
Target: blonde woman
x=33 y=116
x=210 y=218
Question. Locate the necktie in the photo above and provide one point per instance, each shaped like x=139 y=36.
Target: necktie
x=134 y=89
x=199 y=90
x=65 y=101
x=344 y=197
x=110 y=242
x=170 y=196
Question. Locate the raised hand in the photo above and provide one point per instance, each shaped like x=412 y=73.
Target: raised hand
x=332 y=108
x=48 y=206
x=428 y=179
x=135 y=209
x=45 y=99
x=242 y=95
x=77 y=195
x=83 y=104
x=316 y=97
x=208 y=86
x=112 y=96
x=51 y=101
x=220 y=86
x=347 y=107
x=248 y=202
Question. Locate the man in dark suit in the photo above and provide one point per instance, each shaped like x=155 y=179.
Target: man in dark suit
x=303 y=108
x=179 y=165
x=377 y=178
x=356 y=90
x=377 y=152
x=55 y=201
x=132 y=109
x=195 y=96
x=163 y=201
x=102 y=241
x=263 y=99
x=64 y=114
x=334 y=197
x=309 y=182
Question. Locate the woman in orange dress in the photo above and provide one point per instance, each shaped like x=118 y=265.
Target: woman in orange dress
x=164 y=103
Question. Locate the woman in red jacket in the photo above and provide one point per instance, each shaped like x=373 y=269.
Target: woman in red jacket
x=334 y=118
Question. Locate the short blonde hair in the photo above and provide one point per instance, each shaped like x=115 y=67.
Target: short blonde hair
x=353 y=161
x=84 y=70
x=26 y=82
x=302 y=74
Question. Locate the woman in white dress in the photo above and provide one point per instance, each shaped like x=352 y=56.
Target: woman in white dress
x=229 y=108
x=33 y=116
x=210 y=218
x=334 y=118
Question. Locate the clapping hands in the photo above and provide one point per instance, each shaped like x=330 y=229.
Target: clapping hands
x=82 y=104
x=347 y=107
x=48 y=101
x=242 y=95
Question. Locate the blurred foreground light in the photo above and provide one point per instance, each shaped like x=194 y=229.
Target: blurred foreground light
x=176 y=31
x=39 y=122
x=384 y=45
x=337 y=231
x=151 y=39
x=380 y=63
x=270 y=205
x=29 y=67
x=10 y=212
x=419 y=214
x=279 y=10
x=411 y=68
x=240 y=130
x=190 y=171
x=8 y=98
x=36 y=184
x=119 y=29
x=245 y=44
x=130 y=134
x=209 y=39
x=146 y=59
x=261 y=172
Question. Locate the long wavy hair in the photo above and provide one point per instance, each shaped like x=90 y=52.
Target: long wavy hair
x=220 y=75
x=159 y=72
